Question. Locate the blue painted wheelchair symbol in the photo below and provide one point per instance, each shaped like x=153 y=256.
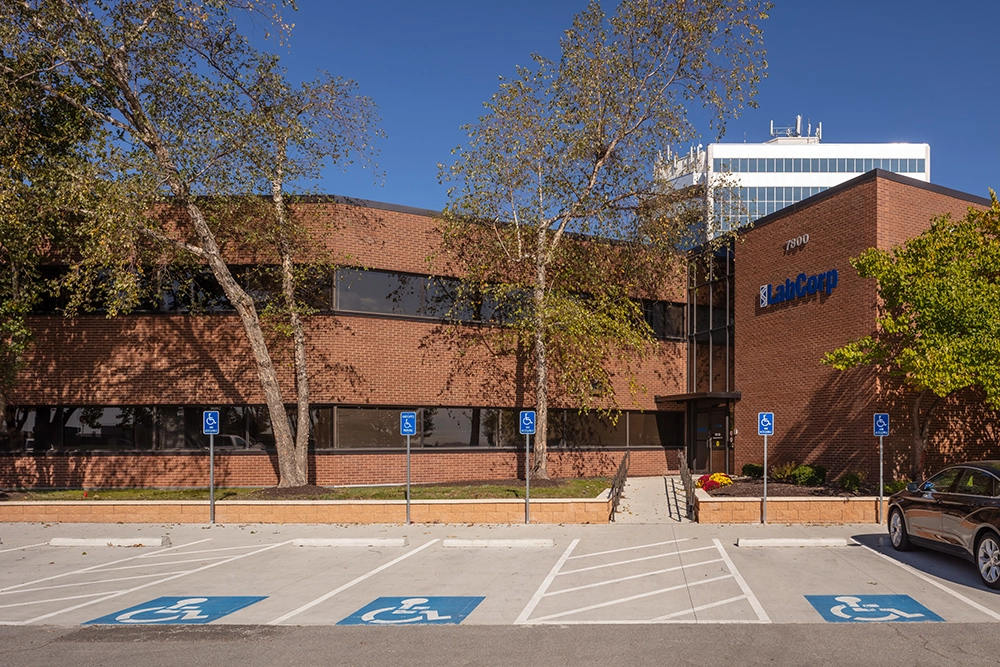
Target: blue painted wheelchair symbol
x=414 y=611
x=176 y=611
x=871 y=609
x=765 y=423
x=527 y=422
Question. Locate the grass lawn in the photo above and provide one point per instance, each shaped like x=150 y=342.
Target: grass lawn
x=568 y=488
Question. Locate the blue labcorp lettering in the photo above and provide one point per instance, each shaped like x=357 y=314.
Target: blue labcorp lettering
x=802 y=286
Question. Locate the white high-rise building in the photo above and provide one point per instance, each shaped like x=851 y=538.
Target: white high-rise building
x=748 y=181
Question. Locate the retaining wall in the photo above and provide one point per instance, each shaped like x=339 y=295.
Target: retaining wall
x=800 y=510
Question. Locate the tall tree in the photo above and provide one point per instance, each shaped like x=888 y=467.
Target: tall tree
x=571 y=148
x=42 y=146
x=192 y=107
x=938 y=331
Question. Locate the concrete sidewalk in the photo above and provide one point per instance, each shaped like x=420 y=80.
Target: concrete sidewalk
x=652 y=500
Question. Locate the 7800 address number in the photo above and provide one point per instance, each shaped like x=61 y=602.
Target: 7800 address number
x=797 y=242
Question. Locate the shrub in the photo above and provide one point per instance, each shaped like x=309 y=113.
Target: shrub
x=754 y=470
x=851 y=481
x=895 y=486
x=820 y=474
x=805 y=475
x=781 y=472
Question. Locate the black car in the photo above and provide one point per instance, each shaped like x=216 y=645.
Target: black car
x=956 y=511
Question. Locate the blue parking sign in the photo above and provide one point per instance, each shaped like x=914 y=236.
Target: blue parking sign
x=880 y=423
x=765 y=423
x=407 y=423
x=210 y=423
x=527 y=422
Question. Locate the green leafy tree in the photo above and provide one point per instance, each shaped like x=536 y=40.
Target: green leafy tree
x=569 y=150
x=43 y=144
x=200 y=123
x=939 y=327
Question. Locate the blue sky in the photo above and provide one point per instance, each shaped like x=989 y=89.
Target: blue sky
x=870 y=71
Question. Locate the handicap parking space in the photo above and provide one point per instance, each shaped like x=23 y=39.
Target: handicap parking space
x=501 y=575
x=864 y=581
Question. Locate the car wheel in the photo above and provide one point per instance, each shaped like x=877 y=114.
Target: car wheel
x=988 y=559
x=897 y=531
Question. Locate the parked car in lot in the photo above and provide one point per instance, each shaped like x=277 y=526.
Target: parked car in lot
x=956 y=511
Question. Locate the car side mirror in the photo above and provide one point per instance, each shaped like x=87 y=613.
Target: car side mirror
x=912 y=487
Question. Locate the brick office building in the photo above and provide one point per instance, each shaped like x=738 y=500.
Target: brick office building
x=796 y=296
x=118 y=402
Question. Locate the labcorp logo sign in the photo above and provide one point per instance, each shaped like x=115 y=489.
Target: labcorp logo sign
x=802 y=286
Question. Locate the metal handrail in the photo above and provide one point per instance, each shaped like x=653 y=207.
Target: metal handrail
x=689 y=486
x=618 y=485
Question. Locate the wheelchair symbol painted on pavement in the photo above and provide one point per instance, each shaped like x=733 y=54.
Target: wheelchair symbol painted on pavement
x=414 y=611
x=871 y=609
x=174 y=611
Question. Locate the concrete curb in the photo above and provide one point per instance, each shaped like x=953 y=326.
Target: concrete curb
x=794 y=542
x=110 y=542
x=490 y=544
x=351 y=542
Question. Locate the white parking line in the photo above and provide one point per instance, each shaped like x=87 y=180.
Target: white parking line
x=540 y=593
x=629 y=578
x=40 y=544
x=47 y=600
x=170 y=552
x=323 y=598
x=630 y=598
x=975 y=605
x=147 y=585
x=751 y=598
x=93 y=567
x=90 y=583
x=169 y=562
x=693 y=610
x=634 y=560
x=641 y=546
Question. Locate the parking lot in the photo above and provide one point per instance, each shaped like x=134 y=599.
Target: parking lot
x=499 y=575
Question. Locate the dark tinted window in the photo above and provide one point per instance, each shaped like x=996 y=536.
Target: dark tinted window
x=976 y=483
x=943 y=481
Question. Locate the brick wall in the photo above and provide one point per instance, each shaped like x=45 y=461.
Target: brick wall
x=822 y=415
x=147 y=359
x=100 y=471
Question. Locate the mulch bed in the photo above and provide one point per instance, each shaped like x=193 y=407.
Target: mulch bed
x=741 y=488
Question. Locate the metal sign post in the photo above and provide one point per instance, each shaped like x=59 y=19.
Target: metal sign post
x=527 y=423
x=880 y=426
x=210 y=427
x=765 y=427
x=408 y=427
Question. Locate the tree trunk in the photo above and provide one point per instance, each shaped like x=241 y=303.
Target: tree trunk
x=245 y=308
x=295 y=471
x=921 y=434
x=540 y=467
